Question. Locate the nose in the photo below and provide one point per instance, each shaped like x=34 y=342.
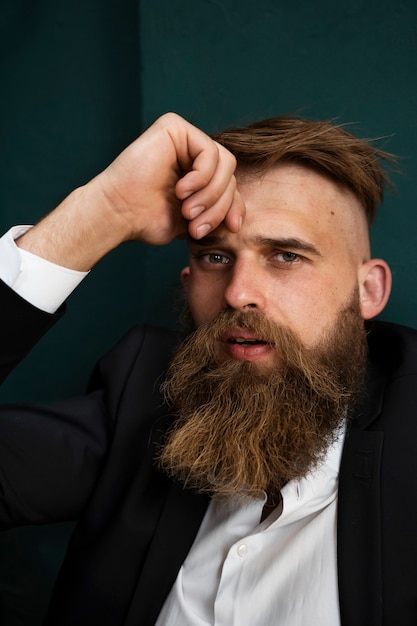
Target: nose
x=245 y=289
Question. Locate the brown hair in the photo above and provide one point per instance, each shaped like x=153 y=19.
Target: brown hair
x=321 y=145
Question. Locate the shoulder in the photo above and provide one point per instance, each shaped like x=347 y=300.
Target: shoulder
x=393 y=348
x=144 y=341
x=144 y=351
x=391 y=386
x=128 y=378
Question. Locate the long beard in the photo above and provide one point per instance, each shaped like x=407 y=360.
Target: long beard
x=241 y=429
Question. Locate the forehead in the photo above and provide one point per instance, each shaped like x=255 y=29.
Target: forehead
x=297 y=187
x=301 y=202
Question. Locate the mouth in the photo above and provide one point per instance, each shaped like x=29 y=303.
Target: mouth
x=244 y=344
x=247 y=342
x=243 y=336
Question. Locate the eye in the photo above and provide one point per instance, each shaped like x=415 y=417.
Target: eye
x=215 y=258
x=287 y=257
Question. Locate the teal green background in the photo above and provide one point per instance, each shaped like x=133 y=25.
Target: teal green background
x=81 y=79
x=231 y=62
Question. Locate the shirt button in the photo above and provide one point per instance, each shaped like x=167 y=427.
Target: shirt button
x=242 y=550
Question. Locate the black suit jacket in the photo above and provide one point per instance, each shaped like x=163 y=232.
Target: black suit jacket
x=91 y=458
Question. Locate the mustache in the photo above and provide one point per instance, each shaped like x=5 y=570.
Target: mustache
x=313 y=367
x=259 y=326
x=293 y=354
x=254 y=321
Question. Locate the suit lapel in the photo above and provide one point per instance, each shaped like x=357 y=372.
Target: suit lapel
x=359 y=512
x=174 y=535
x=359 y=530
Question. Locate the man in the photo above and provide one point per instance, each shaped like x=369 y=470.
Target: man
x=275 y=484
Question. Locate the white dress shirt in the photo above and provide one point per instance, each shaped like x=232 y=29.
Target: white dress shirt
x=43 y=284
x=239 y=572
x=281 y=572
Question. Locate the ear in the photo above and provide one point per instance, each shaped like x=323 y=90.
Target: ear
x=185 y=275
x=375 y=282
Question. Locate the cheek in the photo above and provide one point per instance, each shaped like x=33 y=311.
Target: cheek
x=309 y=310
x=204 y=299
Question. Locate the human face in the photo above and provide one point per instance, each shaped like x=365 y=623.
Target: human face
x=297 y=259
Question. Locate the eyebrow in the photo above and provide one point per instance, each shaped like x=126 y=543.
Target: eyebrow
x=282 y=243
x=288 y=243
x=209 y=240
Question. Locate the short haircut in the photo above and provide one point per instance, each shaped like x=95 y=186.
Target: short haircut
x=320 y=145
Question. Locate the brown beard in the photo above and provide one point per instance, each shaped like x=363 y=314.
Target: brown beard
x=241 y=429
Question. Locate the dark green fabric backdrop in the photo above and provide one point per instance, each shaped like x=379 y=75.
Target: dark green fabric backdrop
x=223 y=62
x=80 y=79
x=70 y=100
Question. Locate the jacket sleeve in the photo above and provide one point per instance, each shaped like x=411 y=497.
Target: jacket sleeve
x=21 y=326
x=50 y=456
x=56 y=460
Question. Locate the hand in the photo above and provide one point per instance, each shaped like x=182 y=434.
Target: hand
x=172 y=178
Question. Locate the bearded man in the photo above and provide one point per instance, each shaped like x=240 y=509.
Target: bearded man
x=261 y=471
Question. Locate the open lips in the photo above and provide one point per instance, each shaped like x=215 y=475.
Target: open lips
x=243 y=336
x=244 y=345
x=246 y=342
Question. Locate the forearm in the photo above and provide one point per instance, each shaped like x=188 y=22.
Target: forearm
x=78 y=233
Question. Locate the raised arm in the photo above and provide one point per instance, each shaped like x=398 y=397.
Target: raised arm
x=172 y=178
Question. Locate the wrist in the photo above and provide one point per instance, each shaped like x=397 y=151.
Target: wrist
x=78 y=233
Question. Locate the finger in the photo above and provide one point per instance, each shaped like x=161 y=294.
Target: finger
x=210 y=171
x=221 y=182
x=236 y=214
x=211 y=203
x=228 y=209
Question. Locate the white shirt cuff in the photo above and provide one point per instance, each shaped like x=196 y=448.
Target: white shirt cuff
x=42 y=283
